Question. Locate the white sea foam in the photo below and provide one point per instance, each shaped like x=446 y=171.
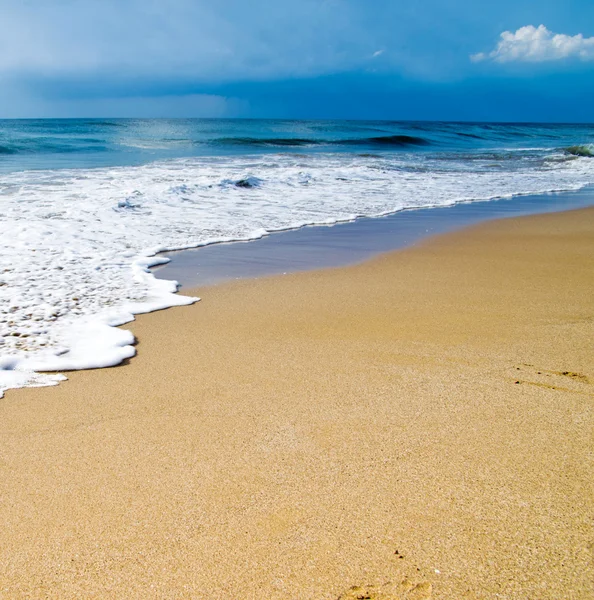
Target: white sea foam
x=77 y=245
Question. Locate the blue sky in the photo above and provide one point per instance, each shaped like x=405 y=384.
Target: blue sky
x=391 y=59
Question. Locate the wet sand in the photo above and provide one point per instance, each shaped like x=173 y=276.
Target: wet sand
x=349 y=243
x=418 y=426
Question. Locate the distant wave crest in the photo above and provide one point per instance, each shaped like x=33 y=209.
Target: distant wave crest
x=250 y=141
x=384 y=140
x=393 y=140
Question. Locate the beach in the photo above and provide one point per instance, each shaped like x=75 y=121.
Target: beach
x=417 y=426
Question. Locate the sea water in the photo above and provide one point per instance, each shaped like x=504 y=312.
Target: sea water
x=86 y=206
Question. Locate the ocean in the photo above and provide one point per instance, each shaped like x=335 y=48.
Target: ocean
x=87 y=206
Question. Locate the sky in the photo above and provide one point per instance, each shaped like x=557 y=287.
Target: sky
x=504 y=60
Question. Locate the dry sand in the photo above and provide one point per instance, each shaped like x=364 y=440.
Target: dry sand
x=418 y=426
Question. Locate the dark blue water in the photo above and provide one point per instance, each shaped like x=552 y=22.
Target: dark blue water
x=68 y=143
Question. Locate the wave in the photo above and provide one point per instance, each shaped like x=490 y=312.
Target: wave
x=470 y=135
x=392 y=140
x=28 y=147
x=98 y=145
x=250 y=141
x=385 y=140
x=587 y=151
x=99 y=123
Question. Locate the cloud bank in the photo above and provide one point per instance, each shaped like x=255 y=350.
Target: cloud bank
x=538 y=44
x=227 y=40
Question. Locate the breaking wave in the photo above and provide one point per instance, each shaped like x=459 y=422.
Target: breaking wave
x=587 y=151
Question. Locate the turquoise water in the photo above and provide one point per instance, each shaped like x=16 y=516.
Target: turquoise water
x=67 y=143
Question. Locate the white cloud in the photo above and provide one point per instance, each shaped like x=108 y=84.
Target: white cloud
x=538 y=44
x=377 y=53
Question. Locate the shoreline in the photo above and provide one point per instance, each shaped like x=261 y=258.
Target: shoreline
x=346 y=243
x=422 y=417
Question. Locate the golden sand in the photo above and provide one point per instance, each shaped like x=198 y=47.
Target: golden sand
x=419 y=426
